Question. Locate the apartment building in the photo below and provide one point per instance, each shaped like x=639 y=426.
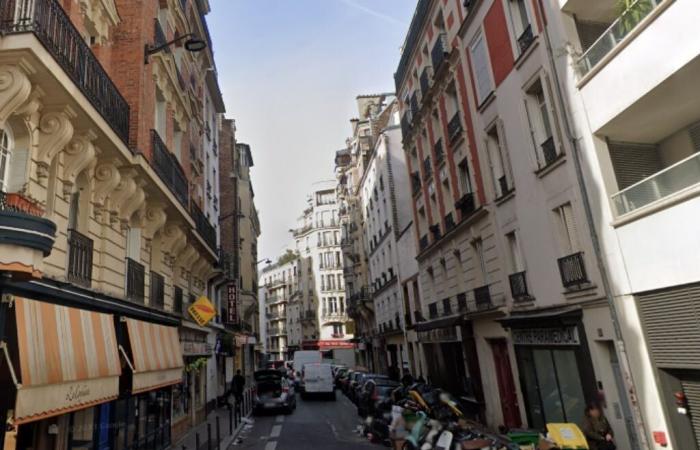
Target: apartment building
x=317 y=240
x=350 y=166
x=638 y=139
x=101 y=212
x=509 y=273
x=279 y=282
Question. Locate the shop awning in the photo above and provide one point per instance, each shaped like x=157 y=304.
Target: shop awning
x=438 y=323
x=543 y=317
x=68 y=359
x=156 y=355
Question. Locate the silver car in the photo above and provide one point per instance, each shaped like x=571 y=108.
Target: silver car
x=273 y=392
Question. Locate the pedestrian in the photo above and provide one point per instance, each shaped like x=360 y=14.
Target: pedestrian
x=597 y=430
x=238 y=386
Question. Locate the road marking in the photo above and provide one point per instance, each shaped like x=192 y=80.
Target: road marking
x=276 y=430
x=271 y=445
x=279 y=419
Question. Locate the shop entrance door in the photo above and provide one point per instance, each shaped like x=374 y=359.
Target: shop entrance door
x=506 y=385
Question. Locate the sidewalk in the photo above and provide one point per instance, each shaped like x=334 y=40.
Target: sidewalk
x=230 y=426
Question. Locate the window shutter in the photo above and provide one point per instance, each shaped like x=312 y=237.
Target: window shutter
x=492 y=170
x=533 y=137
x=554 y=119
x=571 y=228
x=505 y=156
x=17 y=177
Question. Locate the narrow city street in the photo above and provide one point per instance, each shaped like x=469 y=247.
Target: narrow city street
x=314 y=424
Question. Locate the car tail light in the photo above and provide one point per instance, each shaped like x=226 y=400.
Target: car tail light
x=375 y=394
x=285 y=389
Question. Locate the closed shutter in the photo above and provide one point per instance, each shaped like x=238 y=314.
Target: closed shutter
x=672 y=326
x=633 y=162
x=691 y=389
x=19 y=169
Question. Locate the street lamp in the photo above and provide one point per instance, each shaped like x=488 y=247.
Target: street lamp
x=265 y=260
x=192 y=44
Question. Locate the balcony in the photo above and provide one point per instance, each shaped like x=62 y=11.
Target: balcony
x=518 y=286
x=277 y=331
x=328 y=317
x=157 y=294
x=525 y=39
x=79 y=258
x=205 y=229
x=466 y=204
x=426 y=77
x=482 y=298
x=449 y=223
x=414 y=105
x=439 y=51
x=135 y=281
x=277 y=315
x=24 y=227
x=618 y=31
x=454 y=128
x=435 y=231
x=415 y=183
x=169 y=170
x=427 y=169
x=47 y=20
x=676 y=178
x=423 y=243
x=573 y=270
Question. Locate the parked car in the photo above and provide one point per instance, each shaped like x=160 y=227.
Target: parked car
x=317 y=379
x=373 y=391
x=338 y=376
x=360 y=381
x=273 y=392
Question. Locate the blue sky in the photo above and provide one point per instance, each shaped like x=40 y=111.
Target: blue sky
x=289 y=71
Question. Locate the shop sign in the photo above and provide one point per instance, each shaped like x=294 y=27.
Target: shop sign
x=196 y=348
x=202 y=311
x=232 y=304
x=546 y=336
x=241 y=340
x=327 y=345
x=448 y=334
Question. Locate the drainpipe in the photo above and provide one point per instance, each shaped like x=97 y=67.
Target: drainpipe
x=638 y=438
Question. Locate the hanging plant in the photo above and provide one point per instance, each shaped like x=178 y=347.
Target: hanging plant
x=196 y=364
x=631 y=12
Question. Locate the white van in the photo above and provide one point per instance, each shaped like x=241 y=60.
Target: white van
x=317 y=378
x=302 y=357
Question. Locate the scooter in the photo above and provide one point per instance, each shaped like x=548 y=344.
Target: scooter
x=417 y=431
x=434 y=429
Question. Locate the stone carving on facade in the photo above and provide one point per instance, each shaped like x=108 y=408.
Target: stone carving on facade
x=154 y=219
x=122 y=192
x=15 y=89
x=55 y=132
x=107 y=178
x=132 y=203
x=99 y=17
x=79 y=154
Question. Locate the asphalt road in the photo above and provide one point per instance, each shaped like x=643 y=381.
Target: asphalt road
x=315 y=424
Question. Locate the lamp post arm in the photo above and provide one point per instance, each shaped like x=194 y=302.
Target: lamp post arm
x=152 y=50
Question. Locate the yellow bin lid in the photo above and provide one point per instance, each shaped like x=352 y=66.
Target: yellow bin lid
x=567 y=435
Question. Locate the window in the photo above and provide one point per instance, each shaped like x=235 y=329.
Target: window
x=465 y=183
x=161 y=116
x=514 y=256
x=482 y=70
x=5 y=156
x=541 y=116
x=337 y=330
x=520 y=22
x=133 y=244
x=498 y=161
x=566 y=229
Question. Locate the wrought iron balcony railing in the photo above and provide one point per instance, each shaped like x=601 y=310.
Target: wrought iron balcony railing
x=47 y=20
x=414 y=105
x=439 y=153
x=454 y=127
x=525 y=39
x=423 y=243
x=572 y=269
x=169 y=170
x=466 y=204
x=518 y=286
x=425 y=79
x=135 y=281
x=449 y=222
x=79 y=258
x=549 y=151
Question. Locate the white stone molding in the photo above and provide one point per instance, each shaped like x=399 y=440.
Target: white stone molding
x=121 y=193
x=79 y=155
x=107 y=178
x=154 y=219
x=173 y=239
x=55 y=132
x=133 y=203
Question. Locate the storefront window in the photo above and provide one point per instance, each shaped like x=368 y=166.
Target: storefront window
x=82 y=428
x=180 y=399
x=552 y=385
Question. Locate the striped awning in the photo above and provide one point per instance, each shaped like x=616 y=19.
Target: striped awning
x=68 y=358
x=156 y=355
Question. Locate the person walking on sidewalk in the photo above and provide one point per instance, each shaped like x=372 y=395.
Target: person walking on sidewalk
x=238 y=386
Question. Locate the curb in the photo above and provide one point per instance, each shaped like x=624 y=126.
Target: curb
x=228 y=442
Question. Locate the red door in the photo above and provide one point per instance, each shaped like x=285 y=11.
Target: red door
x=506 y=385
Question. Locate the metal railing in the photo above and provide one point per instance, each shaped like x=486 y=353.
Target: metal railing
x=414 y=105
x=425 y=78
x=518 y=286
x=482 y=298
x=169 y=170
x=572 y=269
x=616 y=32
x=416 y=182
x=47 y=20
x=454 y=127
x=135 y=281
x=439 y=152
x=427 y=169
x=525 y=39
x=79 y=258
x=466 y=204
x=18 y=203
x=449 y=222
x=682 y=175
x=157 y=291
x=437 y=54
x=423 y=243
x=549 y=151
x=205 y=229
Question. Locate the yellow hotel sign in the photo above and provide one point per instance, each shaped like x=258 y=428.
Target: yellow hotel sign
x=202 y=311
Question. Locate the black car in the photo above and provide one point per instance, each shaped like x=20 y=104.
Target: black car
x=273 y=392
x=372 y=392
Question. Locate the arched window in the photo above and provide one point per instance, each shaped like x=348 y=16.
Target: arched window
x=6 y=144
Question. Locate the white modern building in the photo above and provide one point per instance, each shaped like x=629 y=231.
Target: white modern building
x=279 y=282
